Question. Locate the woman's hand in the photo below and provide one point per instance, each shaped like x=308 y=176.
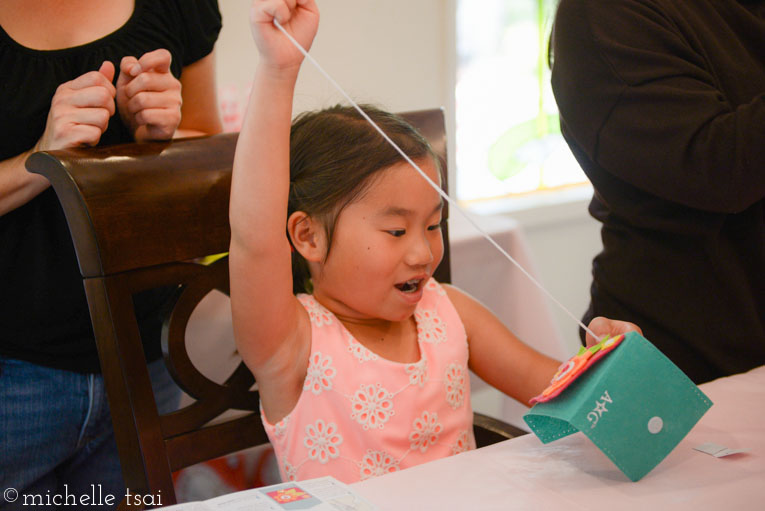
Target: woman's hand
x=80 y=110
x=604 y=326
x=149 y=96
x=300 y=18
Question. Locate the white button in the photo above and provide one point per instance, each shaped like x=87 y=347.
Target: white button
x=655 y=425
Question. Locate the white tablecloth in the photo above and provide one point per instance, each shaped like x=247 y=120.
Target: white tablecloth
x=571 y=473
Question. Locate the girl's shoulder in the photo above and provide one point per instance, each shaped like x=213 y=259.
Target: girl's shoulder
x=455 y=294
x=469 y=309
x=319 y=315
x=442 y=296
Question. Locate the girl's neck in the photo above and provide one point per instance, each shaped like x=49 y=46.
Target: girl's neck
x=392 y=340
x=396 y=341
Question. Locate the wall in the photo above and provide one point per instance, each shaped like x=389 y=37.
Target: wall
x=563 y=239
x=393 y=53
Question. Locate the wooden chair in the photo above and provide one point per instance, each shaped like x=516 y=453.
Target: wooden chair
x=141 y=216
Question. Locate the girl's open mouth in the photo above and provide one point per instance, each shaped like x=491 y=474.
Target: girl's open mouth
x=410 y=286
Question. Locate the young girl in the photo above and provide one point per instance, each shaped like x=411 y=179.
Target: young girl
x=368 y=373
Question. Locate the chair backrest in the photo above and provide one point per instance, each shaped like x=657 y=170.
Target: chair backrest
x=142 y=216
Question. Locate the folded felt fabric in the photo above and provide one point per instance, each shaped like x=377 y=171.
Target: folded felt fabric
x=634 y=404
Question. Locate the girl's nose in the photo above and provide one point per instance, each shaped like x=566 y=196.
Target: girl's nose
x=420 y=252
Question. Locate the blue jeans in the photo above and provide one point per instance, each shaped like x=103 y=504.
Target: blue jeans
x=56 y=436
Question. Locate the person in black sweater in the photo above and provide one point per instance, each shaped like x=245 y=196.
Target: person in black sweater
x=79 y=73
x=662 y=102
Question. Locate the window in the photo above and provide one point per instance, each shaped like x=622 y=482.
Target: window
x=508 y=139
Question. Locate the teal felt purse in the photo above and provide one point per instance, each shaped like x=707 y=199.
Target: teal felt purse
x=634 y=404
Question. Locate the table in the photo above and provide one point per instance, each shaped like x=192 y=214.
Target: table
x=571 y=473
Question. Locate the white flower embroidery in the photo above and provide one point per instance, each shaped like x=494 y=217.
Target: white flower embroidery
x=377 y=463
x=281 y=427
x=425 y=431
x=372 y=406
x=454 y=381
x=435 y=286
x=430 y=327
x=319 y=315
x=418 y=372
x=322 y=441
x=320 y=373
x=289 y=470
x=462 y=443
x=361 y=353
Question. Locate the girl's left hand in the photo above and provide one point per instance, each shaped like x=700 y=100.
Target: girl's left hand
x=149 y=96
x=604 y=326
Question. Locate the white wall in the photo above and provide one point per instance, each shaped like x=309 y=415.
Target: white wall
x=399 y=54
x=393 y=53
x=563 y=239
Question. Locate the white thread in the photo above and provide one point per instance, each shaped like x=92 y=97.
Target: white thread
x=438 y=189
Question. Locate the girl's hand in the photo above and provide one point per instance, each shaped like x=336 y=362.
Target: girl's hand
x=604 y=326
x=80 y=110
x=300 y=18
x=149 y=96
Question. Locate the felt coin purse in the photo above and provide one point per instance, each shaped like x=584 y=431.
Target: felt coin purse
x=628 y=398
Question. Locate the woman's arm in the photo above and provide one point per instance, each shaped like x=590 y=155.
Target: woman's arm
x=17 y=186
x=271 y=328
x=641 y=98
x=199 y=112
x=78 y=116
x=80 y=111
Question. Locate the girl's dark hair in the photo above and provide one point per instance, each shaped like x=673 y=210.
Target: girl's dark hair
x=333 y=155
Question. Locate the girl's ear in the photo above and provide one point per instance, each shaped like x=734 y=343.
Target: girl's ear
x=307 y=236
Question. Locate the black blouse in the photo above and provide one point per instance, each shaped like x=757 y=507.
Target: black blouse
x=43 y=311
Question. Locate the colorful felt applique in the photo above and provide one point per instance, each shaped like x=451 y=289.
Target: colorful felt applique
x=287 y=495
x=575 y=366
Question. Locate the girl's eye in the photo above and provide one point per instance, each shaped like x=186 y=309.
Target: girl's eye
x=434 y=227
x=397 y=232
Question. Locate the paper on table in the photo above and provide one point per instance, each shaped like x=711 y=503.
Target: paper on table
x=718 y=451
x=324 y=493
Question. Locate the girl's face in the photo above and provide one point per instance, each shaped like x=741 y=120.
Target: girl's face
x=385 y=247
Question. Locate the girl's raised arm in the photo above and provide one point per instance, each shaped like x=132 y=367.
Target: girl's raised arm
x=267 y=317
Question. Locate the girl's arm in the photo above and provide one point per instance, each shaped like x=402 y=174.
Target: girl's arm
x=499 y=358
x=271 y=328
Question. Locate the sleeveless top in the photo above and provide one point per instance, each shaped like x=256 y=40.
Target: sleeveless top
x=43 y=310
x=361 y=415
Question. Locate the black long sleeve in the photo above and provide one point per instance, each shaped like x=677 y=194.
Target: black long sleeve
x=663 y=104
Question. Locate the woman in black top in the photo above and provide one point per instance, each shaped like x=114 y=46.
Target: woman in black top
x=663 y=104
x=78 y=72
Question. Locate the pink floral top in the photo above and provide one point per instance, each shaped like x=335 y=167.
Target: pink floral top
x=361 y=415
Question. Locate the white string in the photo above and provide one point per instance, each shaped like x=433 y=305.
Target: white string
x=435 y=186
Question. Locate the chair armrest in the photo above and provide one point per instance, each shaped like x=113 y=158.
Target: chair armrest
x=489 y=430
